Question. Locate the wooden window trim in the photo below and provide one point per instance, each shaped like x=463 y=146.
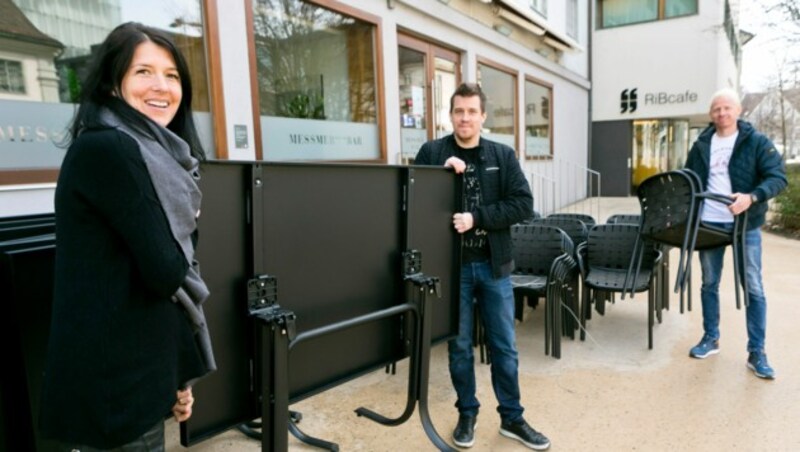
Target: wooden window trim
x=346 y=10
x=213 y=68
x=513 y=73
x=549 y=86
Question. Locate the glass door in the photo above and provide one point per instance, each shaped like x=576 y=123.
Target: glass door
x=658 y=145
x=428 y=75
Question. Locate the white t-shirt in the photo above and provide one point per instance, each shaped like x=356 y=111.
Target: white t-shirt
x=719 y=181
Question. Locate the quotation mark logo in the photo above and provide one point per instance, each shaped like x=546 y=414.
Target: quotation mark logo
x=628 y=100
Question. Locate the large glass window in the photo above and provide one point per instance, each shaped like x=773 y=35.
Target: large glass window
x=538 y=125
x=48 y=52
x=500 y=88
x=614 y=13
x=317 y=83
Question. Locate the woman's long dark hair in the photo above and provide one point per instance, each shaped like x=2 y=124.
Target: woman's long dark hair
x=104 y=82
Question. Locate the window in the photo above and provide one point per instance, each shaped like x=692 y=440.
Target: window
x=11 y=79
x=572 y=19
x=538 y=124
x=615 y=13
x=54 y=44
x=500 y=88
x=317 y=83
x=540 y=6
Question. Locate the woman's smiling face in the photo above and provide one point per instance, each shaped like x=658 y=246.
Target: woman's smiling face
x=152 y=83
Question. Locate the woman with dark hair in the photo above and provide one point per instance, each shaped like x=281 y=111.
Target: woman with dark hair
x=128 y=336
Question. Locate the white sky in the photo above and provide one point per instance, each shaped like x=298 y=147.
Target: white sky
x=763 y=54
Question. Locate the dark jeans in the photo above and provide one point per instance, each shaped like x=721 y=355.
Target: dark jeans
x=711 y=264
x=151 y=441
x=495 y=302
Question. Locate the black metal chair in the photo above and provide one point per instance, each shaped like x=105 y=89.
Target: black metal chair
x=672 y=205
x=588 y=220
x=543 y=268
x=604 y=261
x=624 y=218
x=575 y=229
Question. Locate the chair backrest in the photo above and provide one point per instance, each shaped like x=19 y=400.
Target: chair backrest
x=535 y=247
x=669 y=206
x=575 y=229
x=588 y=220
x=624 y=218
x=611 y=246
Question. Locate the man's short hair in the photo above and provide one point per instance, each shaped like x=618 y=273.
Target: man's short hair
x=469 y=90
x=726 y=93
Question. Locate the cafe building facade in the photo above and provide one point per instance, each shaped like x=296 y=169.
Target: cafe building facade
x=656 y=65
x=307 y=80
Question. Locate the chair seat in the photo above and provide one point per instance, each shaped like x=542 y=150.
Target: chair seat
x=712 y=237
x=614 y=279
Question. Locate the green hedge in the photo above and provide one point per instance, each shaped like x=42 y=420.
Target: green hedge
x=788 y=202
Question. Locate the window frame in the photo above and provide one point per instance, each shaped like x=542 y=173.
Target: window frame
x=549 y=88
x=515 y=94
x=5 y=63
x=380 y=103
x=539 y=6
x=571 y=26
x=208 y=10
x=660 y=15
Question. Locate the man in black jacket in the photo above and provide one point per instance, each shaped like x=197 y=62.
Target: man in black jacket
x=496 y=195
x=734 y=159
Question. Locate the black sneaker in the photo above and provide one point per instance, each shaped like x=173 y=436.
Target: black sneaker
x=525 y=434
x=464 y=434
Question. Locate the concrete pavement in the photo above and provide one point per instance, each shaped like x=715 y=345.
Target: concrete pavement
x=609 y=393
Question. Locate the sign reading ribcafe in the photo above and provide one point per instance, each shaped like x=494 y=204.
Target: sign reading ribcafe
x=662 y=98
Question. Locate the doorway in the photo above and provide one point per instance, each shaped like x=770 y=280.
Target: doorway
x=658 y=145
x=428 y=75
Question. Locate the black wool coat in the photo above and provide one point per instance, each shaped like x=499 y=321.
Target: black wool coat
x=119 y=348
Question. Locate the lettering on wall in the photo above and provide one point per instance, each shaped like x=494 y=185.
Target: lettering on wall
x=29 y=134
x=629 y=99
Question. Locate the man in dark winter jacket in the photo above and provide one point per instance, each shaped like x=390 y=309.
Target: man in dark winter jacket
x=732 y=158
x=496 y=195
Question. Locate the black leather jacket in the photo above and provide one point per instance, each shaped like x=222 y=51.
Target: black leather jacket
x=507 y=197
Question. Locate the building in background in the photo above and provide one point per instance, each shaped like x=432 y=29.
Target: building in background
x=655 y=66
x=27 y=58
x=331 y=80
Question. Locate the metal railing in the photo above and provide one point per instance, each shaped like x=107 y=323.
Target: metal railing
x=562 y=186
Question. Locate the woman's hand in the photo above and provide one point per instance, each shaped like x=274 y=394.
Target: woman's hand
x=182 y=410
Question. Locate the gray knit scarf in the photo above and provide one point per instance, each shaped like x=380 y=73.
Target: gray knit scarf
x=174 y=173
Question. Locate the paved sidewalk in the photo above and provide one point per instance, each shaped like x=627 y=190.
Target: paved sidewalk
x=609 y=393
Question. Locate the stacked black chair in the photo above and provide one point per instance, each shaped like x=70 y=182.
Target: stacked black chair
x=588 y=220
x=544 y=267
x=672 y=205
x=577 y=232
x=663 y=299
x=624 y=218
x=604 y=261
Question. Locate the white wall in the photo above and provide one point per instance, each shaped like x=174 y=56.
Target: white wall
x=676 y=56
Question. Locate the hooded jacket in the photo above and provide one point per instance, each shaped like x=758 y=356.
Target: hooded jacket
x=755 y=167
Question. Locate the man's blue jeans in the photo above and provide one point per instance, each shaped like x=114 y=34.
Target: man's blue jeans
x=711 y=263
x=495 y=300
